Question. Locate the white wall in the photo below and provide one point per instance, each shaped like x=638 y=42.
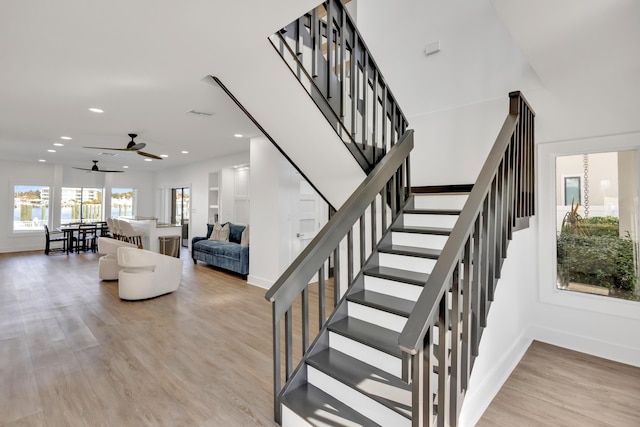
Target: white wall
x=451 y=145
x=15 y=173
x=506 y=337
x=195 y=176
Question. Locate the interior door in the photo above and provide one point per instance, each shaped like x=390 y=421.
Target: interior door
x=309 y=214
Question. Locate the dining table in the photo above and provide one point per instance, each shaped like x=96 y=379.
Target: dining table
x=70 y=229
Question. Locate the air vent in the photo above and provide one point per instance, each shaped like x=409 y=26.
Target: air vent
x=198 y=113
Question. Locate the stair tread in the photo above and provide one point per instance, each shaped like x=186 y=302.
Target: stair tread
x=434 y=211
x=375 y=383
x=322 y=410
x=410 y=250
x=369 y=334
x=398 y=275
x=441 y=231
x=391 y=304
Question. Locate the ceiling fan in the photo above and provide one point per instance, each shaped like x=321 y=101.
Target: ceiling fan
x=95 y=168
x=132 y=146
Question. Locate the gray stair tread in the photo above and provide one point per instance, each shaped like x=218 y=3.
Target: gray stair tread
x=391 y=304
x=322 y=410
x=369 y=334
x=375 y=383
x=410 y=250
x=425 y=211
x=441 y=231
x=398 y=275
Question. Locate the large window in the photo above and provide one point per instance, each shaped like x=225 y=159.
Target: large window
x=81 y=205
x=122 y=202
x=596 y=224
x=30 y=207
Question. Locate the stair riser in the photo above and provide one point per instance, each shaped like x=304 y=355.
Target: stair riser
x=393 y=288
x=377 y=317
x=351 y=397
x=377 y=358
x=291 y=419
x=430 y=241
x=429 y=220
x=410 y=263
x=454 y=201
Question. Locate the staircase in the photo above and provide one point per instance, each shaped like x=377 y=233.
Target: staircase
x=379 y=319
x=354 y=377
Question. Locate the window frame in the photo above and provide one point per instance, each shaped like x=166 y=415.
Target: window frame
x=35 y=230
x=548 y=292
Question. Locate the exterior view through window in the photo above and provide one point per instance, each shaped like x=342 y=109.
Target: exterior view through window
x=30 y=207
x=122 y=202
x=597 y=224
x=81 y=205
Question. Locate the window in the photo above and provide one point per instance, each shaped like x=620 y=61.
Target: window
x=81 y=205
x=572 y=190
x=596 y=234
x=122 y=202
x=30 y=207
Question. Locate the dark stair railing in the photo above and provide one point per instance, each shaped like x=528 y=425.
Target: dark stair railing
x=356 y=228
x=325 y=51
x=442 y=335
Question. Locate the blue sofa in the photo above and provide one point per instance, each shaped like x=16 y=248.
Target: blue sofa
x=227 y=255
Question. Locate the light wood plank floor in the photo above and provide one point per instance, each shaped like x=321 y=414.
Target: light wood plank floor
x=553 y=386
x=73 y=354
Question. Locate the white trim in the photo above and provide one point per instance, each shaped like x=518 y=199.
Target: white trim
x=547 y=290
x=259 y=282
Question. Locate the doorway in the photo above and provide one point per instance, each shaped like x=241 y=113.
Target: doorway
x=180 y=207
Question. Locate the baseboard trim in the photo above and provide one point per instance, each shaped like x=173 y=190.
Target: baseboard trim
x=480 y=395
x=606 y=350
x=259 y=282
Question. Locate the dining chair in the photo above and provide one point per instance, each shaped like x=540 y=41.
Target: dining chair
x=86 y=238
x=130 y=235
x=56 y=236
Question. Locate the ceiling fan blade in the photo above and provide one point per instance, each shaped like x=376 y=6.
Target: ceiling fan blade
x=153 y=156
x=109 y=171
x=138 y=146
x=82 y=169
x=107 y=148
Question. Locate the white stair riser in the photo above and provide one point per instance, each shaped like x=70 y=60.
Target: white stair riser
x=429 y=241
x=429 y=220
x=353 y=398
x=291 y=419
x=441 y=201
x=366 y=354
x=377 y=317
x=410 y=263
x=393 y=288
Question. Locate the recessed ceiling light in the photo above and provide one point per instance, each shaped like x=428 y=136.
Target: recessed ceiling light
x=96 y=110
x=58 y=144
x=184 y=152
x=42 y=160
x=148 y=160
x=238 y=135
x=51 y=150
x=125 y=167
x=65 y=137
x=164 y=155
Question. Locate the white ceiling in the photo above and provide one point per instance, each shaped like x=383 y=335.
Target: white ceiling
x=145 y=64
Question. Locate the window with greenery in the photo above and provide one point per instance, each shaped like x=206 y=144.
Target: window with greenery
x=122 y=202
x=30 y=207
x=81 y=205
x=597 y=241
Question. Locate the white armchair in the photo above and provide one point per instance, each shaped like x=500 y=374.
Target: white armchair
x=108 y=267
x=147 y=274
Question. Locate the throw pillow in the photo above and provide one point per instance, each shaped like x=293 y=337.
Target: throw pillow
x=244 y=240
x=220 y=232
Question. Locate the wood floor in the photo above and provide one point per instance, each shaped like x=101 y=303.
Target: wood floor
x=553 y=386
x=73 y=354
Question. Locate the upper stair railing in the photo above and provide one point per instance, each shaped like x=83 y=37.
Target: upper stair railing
x=326 y=53
x=339 y=251
x=442 y=335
